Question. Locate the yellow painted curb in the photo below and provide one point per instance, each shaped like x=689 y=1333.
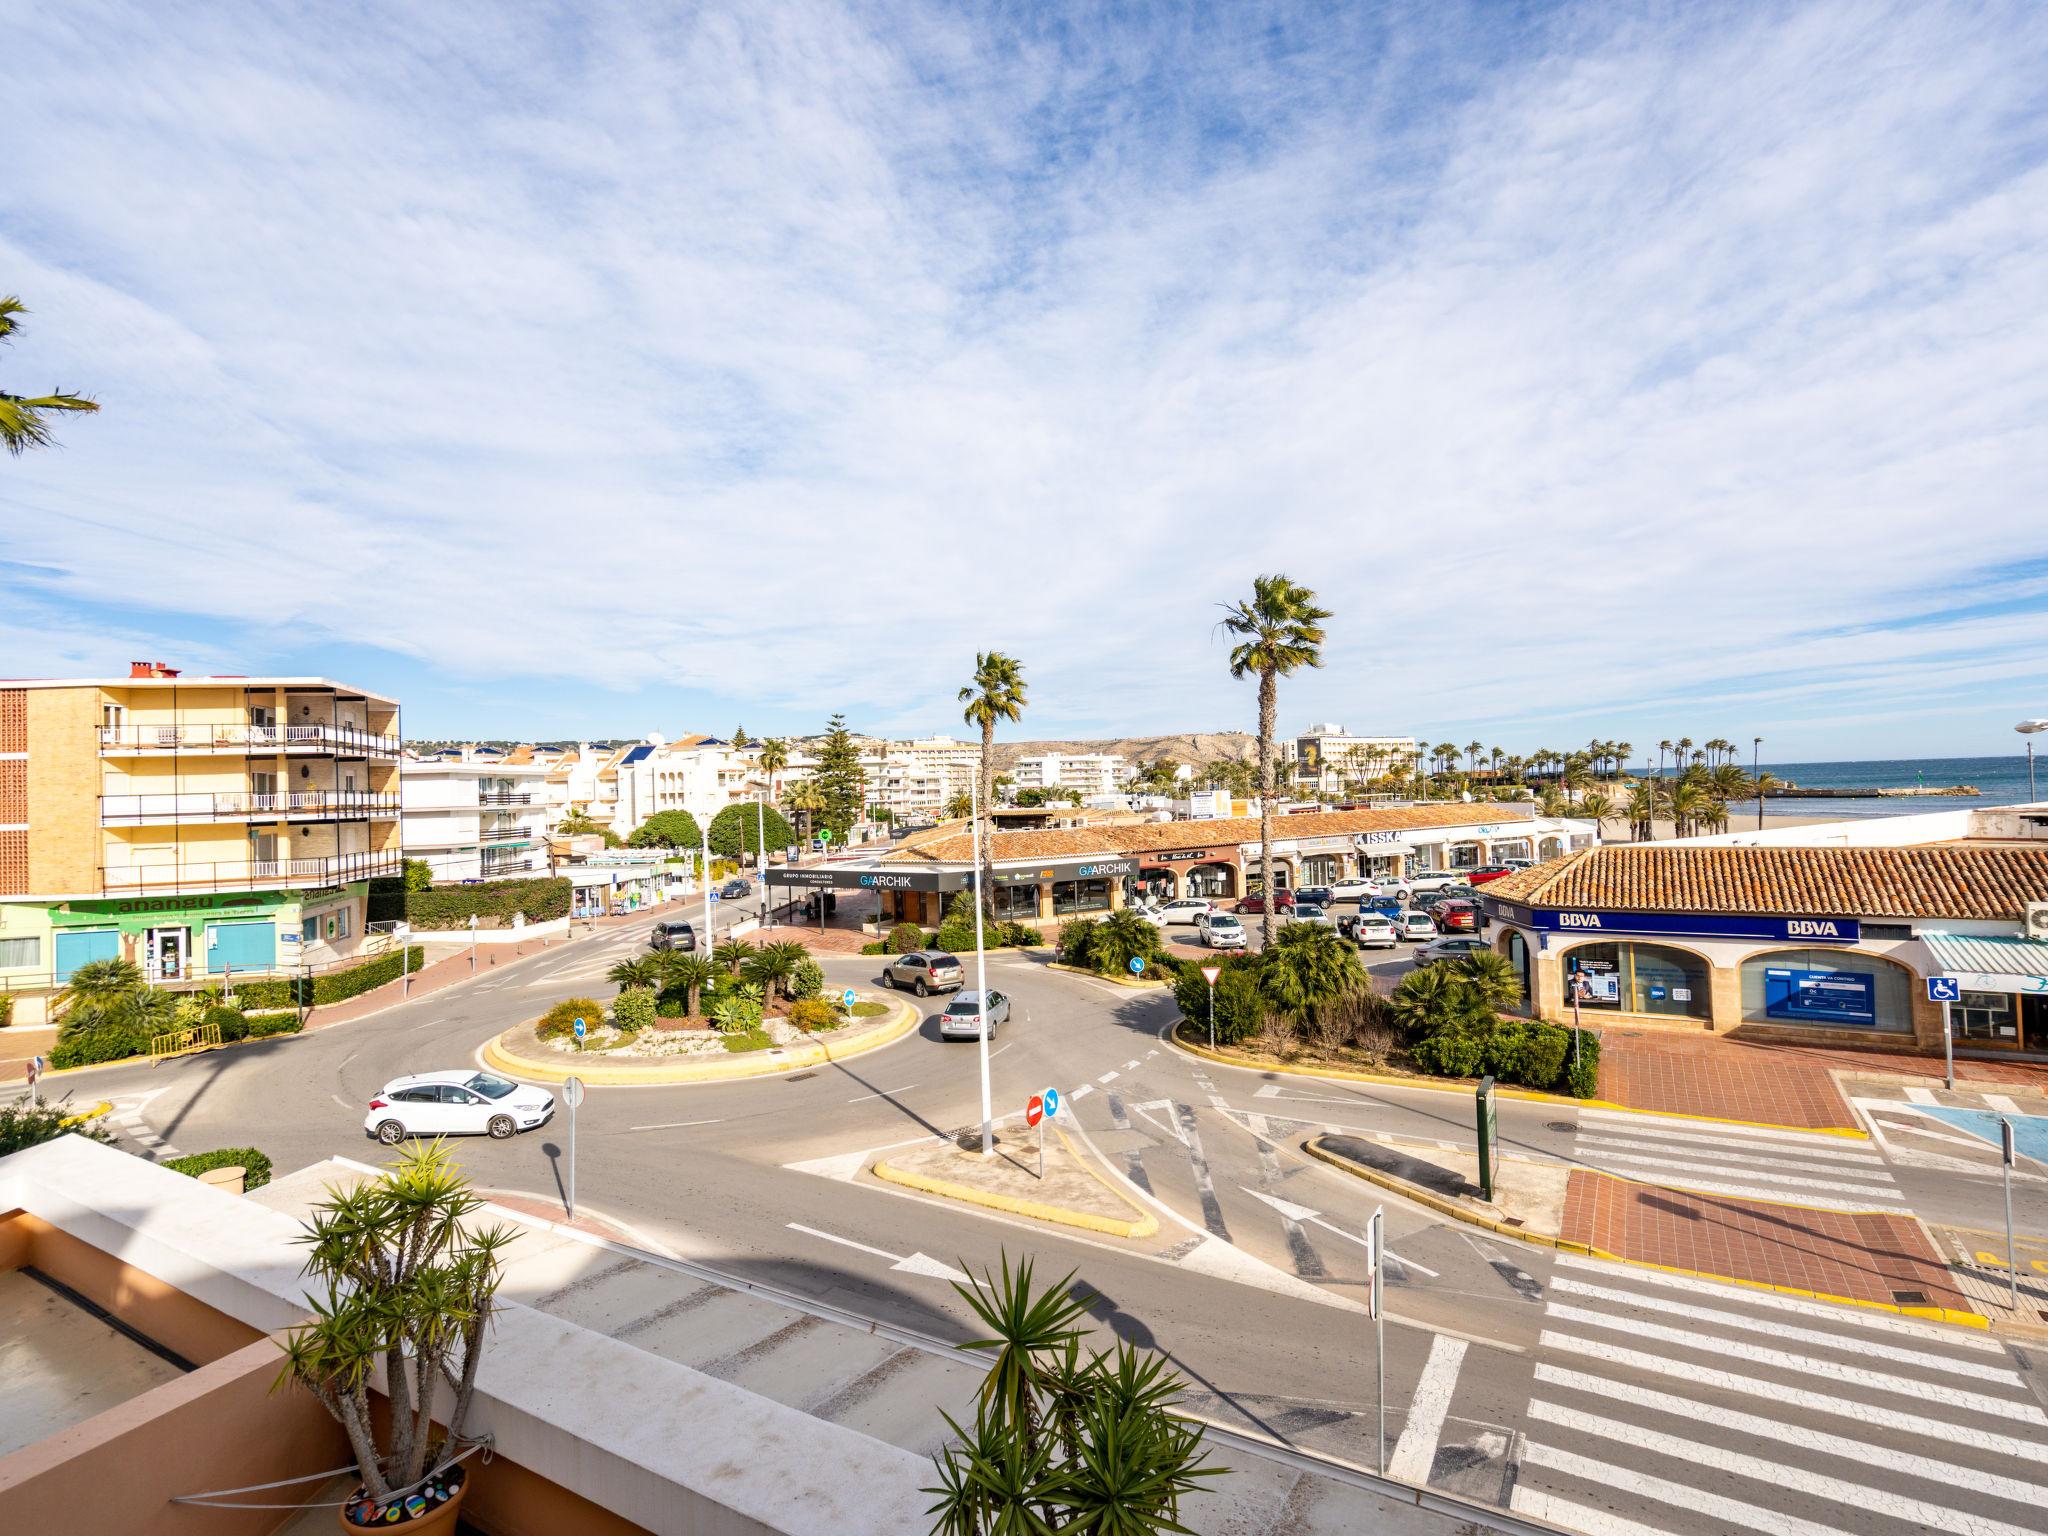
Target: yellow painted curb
x=1456 y=1212
x=1527 y=1095
x=104 y=1107
x=598 y=1073
x=1119 y=981
x=1144 y=1226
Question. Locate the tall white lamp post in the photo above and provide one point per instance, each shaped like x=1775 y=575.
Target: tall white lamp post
x=2030 y=729
x=988 y=1124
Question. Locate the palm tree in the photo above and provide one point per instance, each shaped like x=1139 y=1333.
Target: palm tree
x=1763 y=784
x=1306 y=966
x=640 y=971
x=1577 y=774
x=1595 y=806
x=1446 y=754
x=21 y=416
x=1684 y=746
x=1688 y=805
x=1642 y=812
x=804 y=800
x=1623 y=750
x=996 y=693
x=1663 y=748
x=774 y=758
x=1498 y=757
x=771 y=967
x=1280 y=630
x=731 y=955
x=1472 y=751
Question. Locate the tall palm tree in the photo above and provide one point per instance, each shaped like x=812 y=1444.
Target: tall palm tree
x=1280 y=631
x=805 y=800
x=1663 y=747
x=1472 y=751
x=1764 y=782
x=1642 y=812
x=22 y=426
x=774 y=758
x=996 y=693
x=1622 y=750
x=1684 y=745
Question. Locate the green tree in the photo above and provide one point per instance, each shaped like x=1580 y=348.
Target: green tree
x=774 y=757
x=806 y=802
x=772 y=965
x=418 y=875
x=22 y=424
x=1062 y=1440
x=731 y=955
x=578 y=823
x=958 y=808
x=1433 y=998
x=1763 y=785
x=640 y=971
x=736 y=830
x=996 y=692
x=840 y=780
x=1030 y=797
x=667 y=829
x=1120 y=938
x=739 y=737
x=1307 y=966
x=25 y=1125
x=685 y=974
x=1279 y=630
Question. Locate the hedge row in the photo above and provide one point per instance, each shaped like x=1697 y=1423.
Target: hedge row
x=255 y=1166
x=451 y=906
x=334 y=986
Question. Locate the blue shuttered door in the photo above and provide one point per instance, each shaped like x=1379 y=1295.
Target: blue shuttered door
x=76 y=949
x=244 y=946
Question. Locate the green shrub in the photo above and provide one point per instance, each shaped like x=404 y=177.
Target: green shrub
x=234 y=1025
x=263 y=1025
x=418 y=876
x=24 y=1125
x=1503 y=1049
x=1240 y=1002
x=1455 y=1051
x=813 y=1013
x=6 y=1010
x=1544 y=1057
x=903 y=938
x=633 y=1009
x=1582 y=1080
x=255 y=1166
x=542 y=900
x=806 y=979
x=561 y=1019
x=1020 y=935
x=104 y=1038
x=1076 y=943
x=333 y=986
x=878 y=948
x=738 y=1009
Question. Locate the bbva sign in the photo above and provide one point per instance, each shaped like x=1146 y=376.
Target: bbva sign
x=1812 y=928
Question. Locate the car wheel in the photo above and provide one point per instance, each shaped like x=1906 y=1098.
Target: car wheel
x=922 y=989
x=390 y=1132
x=501 y=1128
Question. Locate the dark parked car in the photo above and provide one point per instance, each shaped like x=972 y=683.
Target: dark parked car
x=1428 y=900
x=1314 y=895
x=1456 y=916
x=1283 y=901
x=672 y=933
x=734 y=887
x=924 y=971
x=1488 y=872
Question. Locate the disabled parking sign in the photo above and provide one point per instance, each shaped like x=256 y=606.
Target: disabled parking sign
x=1944 y=989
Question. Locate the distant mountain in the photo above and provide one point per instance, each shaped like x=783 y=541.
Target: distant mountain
x=1187 y=747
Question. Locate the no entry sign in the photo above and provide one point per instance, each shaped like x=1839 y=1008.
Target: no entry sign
x=1034 y=1109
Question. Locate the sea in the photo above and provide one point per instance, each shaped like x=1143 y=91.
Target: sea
x=1998 y=781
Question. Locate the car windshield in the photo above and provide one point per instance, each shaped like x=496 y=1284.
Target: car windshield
x=1221 y=921
x=1307 y=909
x=490 y=1087
x=966 y=1002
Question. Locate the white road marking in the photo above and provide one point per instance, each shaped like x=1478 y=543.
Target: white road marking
x=1881 y=1322
x=1922 y=1096
x=843 y=1166
x=1576 y=1517
x=1790 y=1432
x=1428 y=1404
x=672 y=1125
x=1647 y=1172
x=1610 y=1119
x=1857 y=1496
x=916 y=1263
x=1871 y=1347
x=1770 y=1155
x=344 y=1103
x=1082 y=1092
x=2001 y=1103
x=1131 y=1066
x=861 y=1100
x=1778 y=1394
x=1109 y=1077
x=1293 y=1212
x=1852 y=1375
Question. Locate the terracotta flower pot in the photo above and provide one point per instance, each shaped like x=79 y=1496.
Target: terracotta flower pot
x=439 y=1521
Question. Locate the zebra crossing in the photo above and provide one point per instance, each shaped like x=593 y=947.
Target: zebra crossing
x=1749 y=1162
x=1667 y=1404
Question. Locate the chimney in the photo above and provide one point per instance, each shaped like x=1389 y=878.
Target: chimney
x=151 y=669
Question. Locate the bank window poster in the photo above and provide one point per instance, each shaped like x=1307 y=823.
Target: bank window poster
x=1603 y=981
x=1830 y=997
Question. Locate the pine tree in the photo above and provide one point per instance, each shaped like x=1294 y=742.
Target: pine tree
x=839 y=779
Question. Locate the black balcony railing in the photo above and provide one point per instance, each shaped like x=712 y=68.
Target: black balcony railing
x=250 y=874
x=245 y=737
x=246 y=805
x=505 y=797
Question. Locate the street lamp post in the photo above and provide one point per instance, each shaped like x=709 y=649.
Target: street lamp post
x=761 y=852
x=2030 y=729
x=472 y=943
x=988 y=1127
x=1755 y=754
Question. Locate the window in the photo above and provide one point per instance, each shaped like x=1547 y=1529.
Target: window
x=309 y=931
x=1464 y=856
x=1017 y=900
x=1826 y=989
x=341 y=928
x=1079 y=896
x=1640 y=978
x=19 y=954
x=1986 y=1016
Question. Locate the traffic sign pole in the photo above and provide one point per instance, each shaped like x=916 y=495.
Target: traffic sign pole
x=1948 y=1049
x=2012 y=1272
x=572 y=1095
x=1375 y=1254
x=1209 y=974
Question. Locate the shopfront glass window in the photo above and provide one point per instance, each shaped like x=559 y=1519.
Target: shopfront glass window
x=1516 y=848
x=1826 y=989
x=1988 y=1017
x=1015 y=902
x=1640 y=978
x=1211 y=880
x=1071 y=896
x=1464 y=856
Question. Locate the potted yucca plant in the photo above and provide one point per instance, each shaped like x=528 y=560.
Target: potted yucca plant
x=410 y=1289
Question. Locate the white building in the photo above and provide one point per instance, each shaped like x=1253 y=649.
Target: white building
x=911 y=780
x=1092 y=774
x=1327 y=756
x=699 y=774
x=474 y=817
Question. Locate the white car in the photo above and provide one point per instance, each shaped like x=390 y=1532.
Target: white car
x=963 y=1017
x=1449 y=947
x=1309 y=912
x=1415 y=925
x=1352 y=887
x=1184 y=910
x=1435 y=879
x=1219 y=930
x=1373 y=930
x=464 y=1102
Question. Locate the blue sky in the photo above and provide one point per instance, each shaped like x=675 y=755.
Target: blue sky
x=602 y=369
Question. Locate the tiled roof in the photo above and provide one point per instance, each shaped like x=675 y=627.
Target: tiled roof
x=1924 y=881
x=1224 y=832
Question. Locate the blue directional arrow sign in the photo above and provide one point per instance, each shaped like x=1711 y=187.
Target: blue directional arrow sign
x=846 y=998
x=1137 y=965
x=579 y=1029
x=1052 y=1102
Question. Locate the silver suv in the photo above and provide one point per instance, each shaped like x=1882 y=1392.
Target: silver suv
x=672 y=933
x=924 y=971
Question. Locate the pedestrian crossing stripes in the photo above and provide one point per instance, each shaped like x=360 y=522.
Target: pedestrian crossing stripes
x=1699 y=1408
x=1746 y=1162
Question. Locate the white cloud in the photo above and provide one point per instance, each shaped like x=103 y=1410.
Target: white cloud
x=796 y=352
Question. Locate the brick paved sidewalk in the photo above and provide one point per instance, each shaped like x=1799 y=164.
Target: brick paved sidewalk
x=1865 y=1256
x=1771 y=1084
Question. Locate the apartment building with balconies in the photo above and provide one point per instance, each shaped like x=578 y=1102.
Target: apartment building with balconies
x=1092 y=775
x=474 y=816
x=197 y=826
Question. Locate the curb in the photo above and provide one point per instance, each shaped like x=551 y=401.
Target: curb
x=1527 y=1095
x=599 y=1073
x=1456 y=1212
x=1120 y=981
x=1145 y=1225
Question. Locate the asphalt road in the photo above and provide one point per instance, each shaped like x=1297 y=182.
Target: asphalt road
x=1512 y=1376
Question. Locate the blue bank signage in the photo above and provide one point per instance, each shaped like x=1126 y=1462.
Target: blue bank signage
x=1689 y=925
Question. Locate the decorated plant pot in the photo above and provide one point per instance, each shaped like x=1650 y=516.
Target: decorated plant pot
x=428 y=1511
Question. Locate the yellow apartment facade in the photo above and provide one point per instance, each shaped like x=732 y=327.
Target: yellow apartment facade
x=199 y=826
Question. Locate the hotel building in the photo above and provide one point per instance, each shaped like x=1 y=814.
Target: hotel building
x=193 y=825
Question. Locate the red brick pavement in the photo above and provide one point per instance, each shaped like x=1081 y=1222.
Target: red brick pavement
x=1865 y=1256
x=1774 y=1084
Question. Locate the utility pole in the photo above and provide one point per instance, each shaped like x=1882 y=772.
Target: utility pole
x=988 y=1127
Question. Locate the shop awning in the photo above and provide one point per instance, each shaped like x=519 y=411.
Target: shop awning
x=1991 y=963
